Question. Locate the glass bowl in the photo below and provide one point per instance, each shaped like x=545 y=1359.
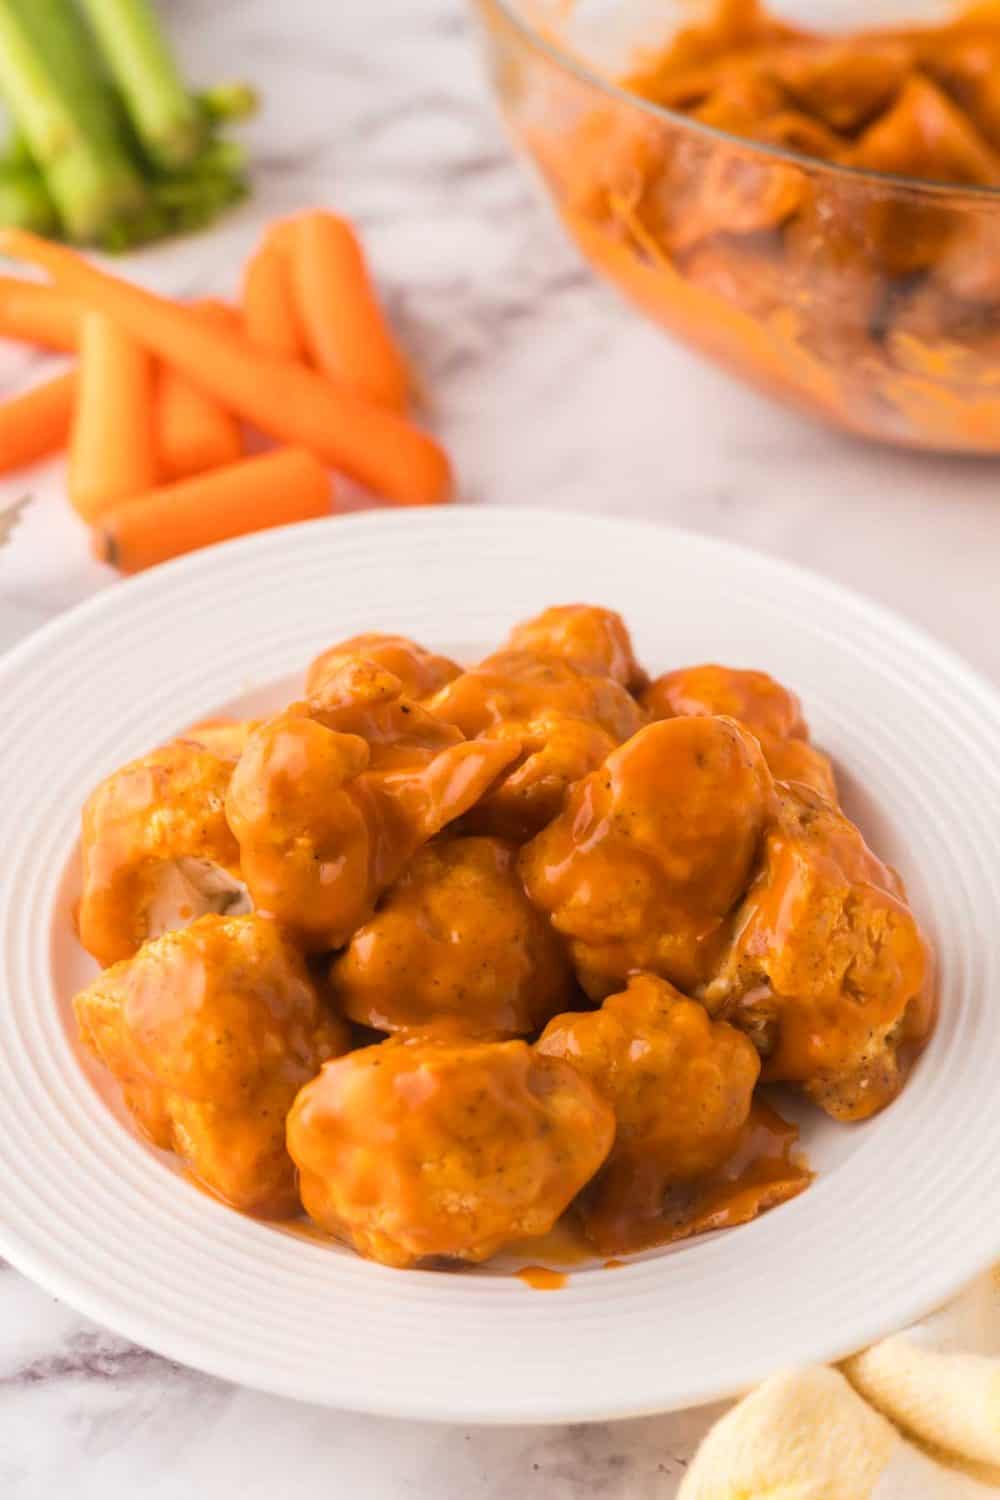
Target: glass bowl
x=867 y=299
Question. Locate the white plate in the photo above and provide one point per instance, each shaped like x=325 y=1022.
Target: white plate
x=906 y=1207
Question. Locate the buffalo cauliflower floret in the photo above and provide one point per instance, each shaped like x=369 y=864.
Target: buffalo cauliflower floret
x=652 y=852
x=566 y=720
x=157 y=850
x=211 y=1031
x=592 y=639
x=428 y=1149
x=769 y=710
x=681 y=1086
x=827 y=970
x=332 y=798
x=754 y=698
x=455 y=937
x=224 y=738
x=420 y=672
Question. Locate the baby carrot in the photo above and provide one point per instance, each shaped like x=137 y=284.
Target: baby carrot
x=112 y=450
x=269 y=313
x=193 y=432
x=221 y=315
x=296 y=405
x=36 y=423
x=280 y=233
x=38 y=314
x=345 y=331
x=270 y=490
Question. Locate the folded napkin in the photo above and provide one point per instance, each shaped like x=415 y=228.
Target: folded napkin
x=914 y=1418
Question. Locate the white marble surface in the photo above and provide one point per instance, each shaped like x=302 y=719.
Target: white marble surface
x=548 y=393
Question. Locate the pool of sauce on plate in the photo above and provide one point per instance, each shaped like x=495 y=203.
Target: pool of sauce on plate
x=766 y=1169
x=567 y=1246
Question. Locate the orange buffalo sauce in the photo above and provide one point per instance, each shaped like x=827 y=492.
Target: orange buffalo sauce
x=565 y=1244
x=541 y=1279
x=763 y=1171
x=580 y=1022
x=874 y=304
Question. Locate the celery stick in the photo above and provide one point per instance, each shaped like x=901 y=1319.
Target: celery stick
x=60 y=103
x=227 y=101
x=24 y=201
x=17 y=152
x=166 y=118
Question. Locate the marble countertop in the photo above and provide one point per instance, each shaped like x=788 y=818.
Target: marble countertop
x=547 y=392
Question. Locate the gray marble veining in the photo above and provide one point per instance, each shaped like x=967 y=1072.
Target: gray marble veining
x=88 y=1415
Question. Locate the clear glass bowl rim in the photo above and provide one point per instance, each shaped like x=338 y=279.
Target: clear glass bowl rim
x=883 y=181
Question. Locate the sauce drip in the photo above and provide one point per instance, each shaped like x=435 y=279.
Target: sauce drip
x=541 y=1278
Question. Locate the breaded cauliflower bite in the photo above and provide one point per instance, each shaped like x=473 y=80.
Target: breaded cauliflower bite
x=211 y=1032
x=681 y=1086
x=455 y=937
x=827 y=971
x=157 y=850
x=566 y=720
x=759 y=702
x=652 y=852
x=590 y=638
x=414 y=1151
x=224 y=738
x=753 y=698
x=798 y=760
x=332 y=798
x=420 y=672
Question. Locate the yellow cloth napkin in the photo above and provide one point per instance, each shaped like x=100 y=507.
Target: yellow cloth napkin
x=914 y=1418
